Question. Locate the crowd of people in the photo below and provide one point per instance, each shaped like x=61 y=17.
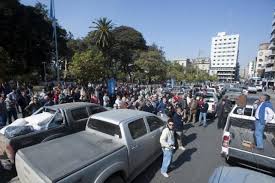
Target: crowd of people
x=155 y=99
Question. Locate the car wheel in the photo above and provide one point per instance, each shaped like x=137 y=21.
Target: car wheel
x=114 y=179
x=229 y=161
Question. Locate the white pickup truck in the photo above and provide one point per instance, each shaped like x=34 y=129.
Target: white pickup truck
x=115 y=147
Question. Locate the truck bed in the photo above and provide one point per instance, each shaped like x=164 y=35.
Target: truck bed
x=244 y=131
x=71 y=153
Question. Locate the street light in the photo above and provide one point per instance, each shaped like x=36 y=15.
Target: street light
x=44 y=64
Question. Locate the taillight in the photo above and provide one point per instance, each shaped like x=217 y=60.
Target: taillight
x=225 y=141
x=10 y=152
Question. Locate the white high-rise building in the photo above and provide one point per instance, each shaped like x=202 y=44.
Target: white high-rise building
x=262 y=59
x=224 y=56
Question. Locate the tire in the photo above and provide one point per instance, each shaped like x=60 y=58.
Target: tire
x=229 y=161
x=114 y=179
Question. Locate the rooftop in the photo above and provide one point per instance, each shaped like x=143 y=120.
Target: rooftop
x=120 y=115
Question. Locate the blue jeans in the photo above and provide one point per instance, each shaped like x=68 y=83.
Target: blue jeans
x=167 y=158
x=202 y=115
x=3 y=120
x=259 y=132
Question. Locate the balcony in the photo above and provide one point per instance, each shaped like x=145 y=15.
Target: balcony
x=272 y=39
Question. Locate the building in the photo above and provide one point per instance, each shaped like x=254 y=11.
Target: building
x=202 y=63
x=184 y=62
x=251 y=69
x=224 y=56
x=262 y=58
x=270 y=66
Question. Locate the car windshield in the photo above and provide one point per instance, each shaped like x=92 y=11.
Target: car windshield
x=104 y=127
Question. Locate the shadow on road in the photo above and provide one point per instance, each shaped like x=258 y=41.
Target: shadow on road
x=182 y=158
x=189 y=138
x=149 y=173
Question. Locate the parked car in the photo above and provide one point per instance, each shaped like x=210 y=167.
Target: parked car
x=238 y=139
x=259 y=88
x=212 y=101
x=233 y=94
x=252 y=89
x=226 y=174
x=64 y=119
x=115 y=147
x=215 y=91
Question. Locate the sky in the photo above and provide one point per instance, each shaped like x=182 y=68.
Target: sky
x=183 y=28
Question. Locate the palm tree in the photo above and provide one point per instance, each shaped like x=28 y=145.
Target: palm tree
x=103 y=34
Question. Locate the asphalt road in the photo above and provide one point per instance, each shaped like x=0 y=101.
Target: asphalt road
x=197 y=163
x=194 y=165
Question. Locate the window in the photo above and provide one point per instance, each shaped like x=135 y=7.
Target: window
x=154 y=123
x=104 y=127
x=137 y=128
x=79 y=114
x=259 y=65
x=218 y=64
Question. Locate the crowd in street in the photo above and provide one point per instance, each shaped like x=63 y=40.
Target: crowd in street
x=182 y=108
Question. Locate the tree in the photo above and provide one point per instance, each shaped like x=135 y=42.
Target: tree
x=128 y=42
x=103 y=38
x=88 y=66
x=151 y=66
x=26 y=35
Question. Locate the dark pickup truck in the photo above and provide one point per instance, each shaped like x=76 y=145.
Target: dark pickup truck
x=66 y=119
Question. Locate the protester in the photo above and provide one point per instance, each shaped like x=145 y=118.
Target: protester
x=193 y=110
x=33 y=106
x=261 y=116
x=203 y=113
x=167 y=141
x=223 y=109
x=177 y=118
x=11 y=108
x=3 y=111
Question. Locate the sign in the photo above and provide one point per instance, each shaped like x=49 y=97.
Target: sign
x=111 y=86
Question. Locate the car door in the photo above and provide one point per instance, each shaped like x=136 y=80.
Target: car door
x=79 y=117
x=139 y=142
x=156 y=126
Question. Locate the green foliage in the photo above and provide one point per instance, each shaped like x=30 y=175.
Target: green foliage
x=151 y=66
x=102 y=34
x=88 y=66
x=26 y=35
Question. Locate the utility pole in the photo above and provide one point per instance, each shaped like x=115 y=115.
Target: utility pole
x=44 y=65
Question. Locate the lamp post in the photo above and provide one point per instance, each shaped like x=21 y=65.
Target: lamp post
x=44 y=66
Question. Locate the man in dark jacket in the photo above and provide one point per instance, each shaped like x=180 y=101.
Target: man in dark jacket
x=3 y=111
x=203 y=112
x=177 y=118
x=223 y=110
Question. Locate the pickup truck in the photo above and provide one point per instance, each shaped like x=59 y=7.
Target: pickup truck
x=238 y=144
x=66 y=119
x=115 y=147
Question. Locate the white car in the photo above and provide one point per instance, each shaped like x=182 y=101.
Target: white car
x=252 y=89
x=213 y=90
x=212 y=101
x=259 y=87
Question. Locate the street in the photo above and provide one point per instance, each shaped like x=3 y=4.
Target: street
x=197 y=163
x=194 y=165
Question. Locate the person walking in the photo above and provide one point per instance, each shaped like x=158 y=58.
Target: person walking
x=167 y=141
x=193 y=110
x=262 y=114
x=177 y=118
x=203 y=112
x=33 y=106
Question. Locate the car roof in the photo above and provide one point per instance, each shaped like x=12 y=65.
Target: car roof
x=120 y=115
x=71 y=105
